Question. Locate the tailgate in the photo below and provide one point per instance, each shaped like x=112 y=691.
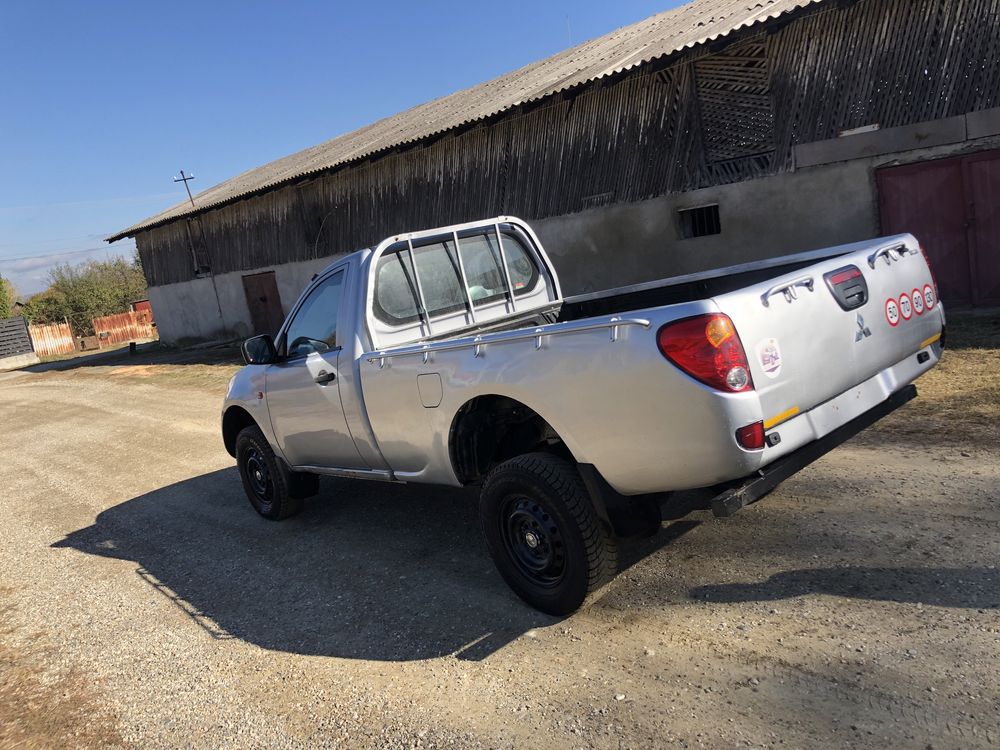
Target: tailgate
x=813 y=334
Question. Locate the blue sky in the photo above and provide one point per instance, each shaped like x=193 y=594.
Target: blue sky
x=101 y=103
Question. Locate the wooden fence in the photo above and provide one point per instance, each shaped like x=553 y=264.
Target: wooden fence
x=123 y=327
x=52 y=339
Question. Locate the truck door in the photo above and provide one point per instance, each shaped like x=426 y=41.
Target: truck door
x=303 y=390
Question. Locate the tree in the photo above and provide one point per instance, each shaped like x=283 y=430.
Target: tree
x=8 y=296
x=87 y=291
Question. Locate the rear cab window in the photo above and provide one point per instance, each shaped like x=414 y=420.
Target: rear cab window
x=396 y=298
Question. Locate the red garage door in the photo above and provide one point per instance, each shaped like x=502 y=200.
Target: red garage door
x=953 y=208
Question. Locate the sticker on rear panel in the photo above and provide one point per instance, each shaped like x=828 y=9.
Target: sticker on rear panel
x=769 y=354
x=892 y=312
x=905 y=306
x=918 y=302
x=929 y=299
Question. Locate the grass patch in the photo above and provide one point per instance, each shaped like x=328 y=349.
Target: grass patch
x=200 y=369
x=959 y=400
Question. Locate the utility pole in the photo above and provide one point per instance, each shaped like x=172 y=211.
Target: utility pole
x=185 y=179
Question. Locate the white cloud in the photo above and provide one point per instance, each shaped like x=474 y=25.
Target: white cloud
x=30 y=275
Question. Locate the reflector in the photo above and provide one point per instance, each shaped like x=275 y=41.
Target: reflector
x=751 y=437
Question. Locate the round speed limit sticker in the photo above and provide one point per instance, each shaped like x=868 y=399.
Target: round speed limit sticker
x=918 y=302
x=905 y=306
x=929 y=299
x=892 y=312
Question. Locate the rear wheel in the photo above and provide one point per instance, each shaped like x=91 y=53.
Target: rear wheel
x=543 y=534
x=264 y=481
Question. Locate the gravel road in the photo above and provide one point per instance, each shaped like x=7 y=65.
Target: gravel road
x=145 y=605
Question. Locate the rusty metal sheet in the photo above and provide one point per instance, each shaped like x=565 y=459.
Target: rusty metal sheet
x=52 y=339
x=123 y=327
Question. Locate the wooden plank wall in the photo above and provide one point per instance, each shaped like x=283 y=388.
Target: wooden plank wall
x=715 y=115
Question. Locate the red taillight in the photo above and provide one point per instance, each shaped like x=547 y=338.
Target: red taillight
x=751 y=437
x=840 y=278
x=708 y=349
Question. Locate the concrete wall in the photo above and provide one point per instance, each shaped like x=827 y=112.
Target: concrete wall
x=817 y=206
x=215 y=308
x=620 y=245
x=810 y=208
x=18 y=361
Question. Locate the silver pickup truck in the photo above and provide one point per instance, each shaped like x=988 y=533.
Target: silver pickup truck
x=450 y=357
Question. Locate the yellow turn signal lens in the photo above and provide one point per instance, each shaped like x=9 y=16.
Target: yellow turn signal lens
x=718 y=330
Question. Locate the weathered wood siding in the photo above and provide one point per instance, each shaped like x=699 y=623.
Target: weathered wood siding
x=712 y=116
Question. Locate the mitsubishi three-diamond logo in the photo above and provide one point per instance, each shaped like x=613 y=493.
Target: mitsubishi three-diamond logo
x=863 y=331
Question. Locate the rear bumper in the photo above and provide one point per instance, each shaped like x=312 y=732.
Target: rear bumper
x=753 y=488
x=825 y=418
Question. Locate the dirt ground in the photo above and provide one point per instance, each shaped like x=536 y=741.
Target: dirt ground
x=143 y=604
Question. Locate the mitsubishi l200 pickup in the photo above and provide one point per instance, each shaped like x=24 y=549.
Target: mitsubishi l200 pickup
x=451 y=357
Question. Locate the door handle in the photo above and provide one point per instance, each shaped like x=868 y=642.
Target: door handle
x=325 y=377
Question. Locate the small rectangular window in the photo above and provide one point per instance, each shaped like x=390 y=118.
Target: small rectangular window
x=698 y=222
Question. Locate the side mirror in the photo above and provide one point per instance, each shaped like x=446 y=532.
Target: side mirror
x=259 y=351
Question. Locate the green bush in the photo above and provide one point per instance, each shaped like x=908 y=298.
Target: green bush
x=87 y=291
x=7 y=298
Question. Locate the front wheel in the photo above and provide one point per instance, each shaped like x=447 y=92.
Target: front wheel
x=265 y=483
x=543 y=534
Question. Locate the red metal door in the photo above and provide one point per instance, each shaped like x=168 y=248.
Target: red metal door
x=928 y=200
x=264 y=302
x=982 y=181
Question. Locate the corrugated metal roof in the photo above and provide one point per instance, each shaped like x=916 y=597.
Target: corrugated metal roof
x=660 y=35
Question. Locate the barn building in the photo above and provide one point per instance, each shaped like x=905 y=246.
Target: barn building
x=719 y=132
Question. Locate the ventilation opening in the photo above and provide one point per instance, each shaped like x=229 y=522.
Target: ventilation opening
x=699 y=222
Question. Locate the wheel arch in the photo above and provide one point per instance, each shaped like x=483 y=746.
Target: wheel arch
x=234 y=420
x=491 y=428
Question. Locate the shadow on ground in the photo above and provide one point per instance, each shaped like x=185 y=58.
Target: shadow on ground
x=367 y=571
x=969 y=588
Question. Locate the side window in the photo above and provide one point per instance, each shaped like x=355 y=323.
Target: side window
x=314 y=327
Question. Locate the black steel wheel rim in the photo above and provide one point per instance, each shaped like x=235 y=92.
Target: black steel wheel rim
x=533 y=540
x=258 y=475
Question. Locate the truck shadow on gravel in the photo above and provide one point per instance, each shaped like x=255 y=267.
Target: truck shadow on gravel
x=366 y=571
x=968 y=588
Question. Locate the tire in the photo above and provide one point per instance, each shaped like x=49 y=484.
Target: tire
x=543 y=533
x=265 y=482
